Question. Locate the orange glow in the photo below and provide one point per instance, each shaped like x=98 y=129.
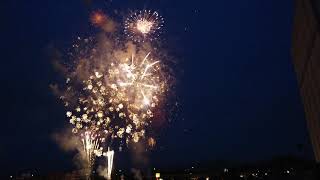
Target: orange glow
x=97 y=18
x=151 y=142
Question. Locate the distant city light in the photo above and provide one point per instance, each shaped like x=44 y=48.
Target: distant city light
x=157 y=175
x=288 y=172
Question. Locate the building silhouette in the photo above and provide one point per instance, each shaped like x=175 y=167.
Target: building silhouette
x=306 y=60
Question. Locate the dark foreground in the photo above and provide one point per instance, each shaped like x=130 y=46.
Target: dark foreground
x=279 y=169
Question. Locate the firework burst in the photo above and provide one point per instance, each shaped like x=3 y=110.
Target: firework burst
x=113 y=93
x=116 y=104
x=120 y=101
x=143 y=26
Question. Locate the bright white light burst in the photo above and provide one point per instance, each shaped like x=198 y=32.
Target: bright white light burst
x=143 y=26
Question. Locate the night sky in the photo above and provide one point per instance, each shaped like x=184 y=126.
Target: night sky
x=236 y=87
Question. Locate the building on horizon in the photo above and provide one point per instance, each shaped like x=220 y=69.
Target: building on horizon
x=306 y=60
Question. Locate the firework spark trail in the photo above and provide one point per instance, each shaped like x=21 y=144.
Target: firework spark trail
x=130 y=73
x=109 y=155
x=91 y=147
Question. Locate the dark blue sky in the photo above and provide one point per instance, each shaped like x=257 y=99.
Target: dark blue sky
x=238 y=90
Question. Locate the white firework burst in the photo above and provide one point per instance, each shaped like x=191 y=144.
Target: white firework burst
x=143 y=26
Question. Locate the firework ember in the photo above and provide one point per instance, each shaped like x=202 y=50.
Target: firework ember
x=98 y=18
x=143 y=25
